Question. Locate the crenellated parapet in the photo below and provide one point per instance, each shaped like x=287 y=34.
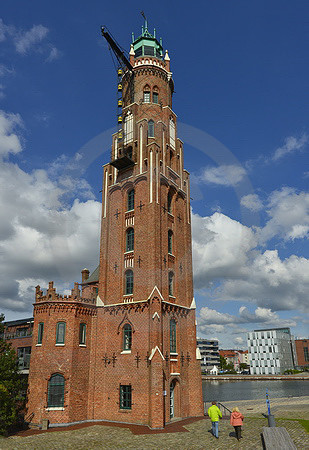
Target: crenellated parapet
x=52 y=296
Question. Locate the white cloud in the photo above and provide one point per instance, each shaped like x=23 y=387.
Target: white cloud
x=252 y=202
x=25 y=41
x=42 y=237
x=9 y=140
x=225 y=175
x=289 y=215
x=291 y=145
x=4 y=70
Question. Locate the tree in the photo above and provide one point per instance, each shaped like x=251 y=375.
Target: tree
x=243 y=366
x=12 y=384
x=223 y=363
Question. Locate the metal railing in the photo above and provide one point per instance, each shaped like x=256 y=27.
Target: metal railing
x=224 y=409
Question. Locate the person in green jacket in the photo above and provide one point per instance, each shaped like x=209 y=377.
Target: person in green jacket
x=214 y=414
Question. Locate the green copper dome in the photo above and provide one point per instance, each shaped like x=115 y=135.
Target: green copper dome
x=147 y=44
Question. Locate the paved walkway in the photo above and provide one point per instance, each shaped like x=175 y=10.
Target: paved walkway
x=194 y=435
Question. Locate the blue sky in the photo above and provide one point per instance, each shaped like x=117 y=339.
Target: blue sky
x=241 y=95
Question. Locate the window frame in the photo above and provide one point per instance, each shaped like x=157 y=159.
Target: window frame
x=171 y=283
x=130 y=200
x=130 y=239
x=173 y=336
x=127 y=337
x=169 y=202
x=151 y=128
x=170 y=242
x=82 y=333
x=58 y=326
x=146 y=95
x=125 y=396
x=155 y=97
x=129 y=284
x=40 y=333
x=50 y=403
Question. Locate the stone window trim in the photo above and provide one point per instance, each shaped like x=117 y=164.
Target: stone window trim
x=55 y=408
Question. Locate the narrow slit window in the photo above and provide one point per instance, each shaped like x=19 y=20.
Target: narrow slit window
x=131 y=200
x=127 y=337
x=129 y=282
x=60 y=333
x=130 y=240
x=150 y=128
x=172 y=336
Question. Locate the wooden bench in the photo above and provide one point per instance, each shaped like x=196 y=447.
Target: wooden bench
x=277 y=438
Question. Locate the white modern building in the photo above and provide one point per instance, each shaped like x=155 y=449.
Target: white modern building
x=209 y=349
x=271 y=351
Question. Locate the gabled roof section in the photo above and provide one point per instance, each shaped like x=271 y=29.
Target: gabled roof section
x=153 y=351
x=155 y=293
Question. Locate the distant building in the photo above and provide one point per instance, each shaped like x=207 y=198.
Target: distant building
x=19 y=334
x=271 y=351
x=235 y=357
x=209 y=349
x=302 y=352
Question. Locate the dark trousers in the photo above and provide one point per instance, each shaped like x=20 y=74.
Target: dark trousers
x=238 y=431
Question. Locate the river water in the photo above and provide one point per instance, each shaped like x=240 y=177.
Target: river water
x=249 y=390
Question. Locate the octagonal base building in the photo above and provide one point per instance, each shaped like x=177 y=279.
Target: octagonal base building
x=122 y=347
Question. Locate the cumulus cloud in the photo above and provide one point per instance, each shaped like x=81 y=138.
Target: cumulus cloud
x=224 y=175
x=291 y=145
x=289 y=215
x=252 y=202
x=210 y=320
x=42 y=236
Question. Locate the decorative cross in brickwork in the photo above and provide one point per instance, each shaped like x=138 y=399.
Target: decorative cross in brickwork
x=179 y=218
x=139 y=260
x=140 y=205
x=117 y=213
x=188 y=357
x=165 y=261
x=115 y=267
x=182 y=358
x=137 y=359
x=164 y=208
x=114 y=359
x=106 y=360
x=147 y=359
x=180 y=267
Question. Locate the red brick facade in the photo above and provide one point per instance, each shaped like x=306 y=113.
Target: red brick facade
x=302 y=352
x=149 y=374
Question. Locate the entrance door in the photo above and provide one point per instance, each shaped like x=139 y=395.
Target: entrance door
x=172 y=399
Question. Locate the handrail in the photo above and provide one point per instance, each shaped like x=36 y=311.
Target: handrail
x=225 y=413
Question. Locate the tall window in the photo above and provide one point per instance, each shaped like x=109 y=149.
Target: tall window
x=56 y=391
x=60 y=333
x=129 y=282
x=146 y=96
x=172 y=133
x=150 y=128
x=127 y=337
x=170 y=283
x=306 y=354
x=169 y=202
x=125 y=398
x=170 y=241
x=173 y=336
x=129 y=240
x=82 y=333
x=128 y=128
x=131 y=200
x=40 y=332
x=155 y=95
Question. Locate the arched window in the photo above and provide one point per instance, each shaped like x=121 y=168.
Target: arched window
x=155 y=95
x=169 y=202
x=172 y=336
x=127 y=337
x=131 y=200
x=56 y=391
x=129 y=282
x=170 y=283
x=146 y=96
x=170 y=241
x=150 y=128
x=129 y=240
x=172 y=133
x=128 y=128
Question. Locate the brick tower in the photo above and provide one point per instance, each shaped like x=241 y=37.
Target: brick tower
x=129 y=351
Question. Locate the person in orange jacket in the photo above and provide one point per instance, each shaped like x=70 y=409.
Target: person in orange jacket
x=236 y=420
